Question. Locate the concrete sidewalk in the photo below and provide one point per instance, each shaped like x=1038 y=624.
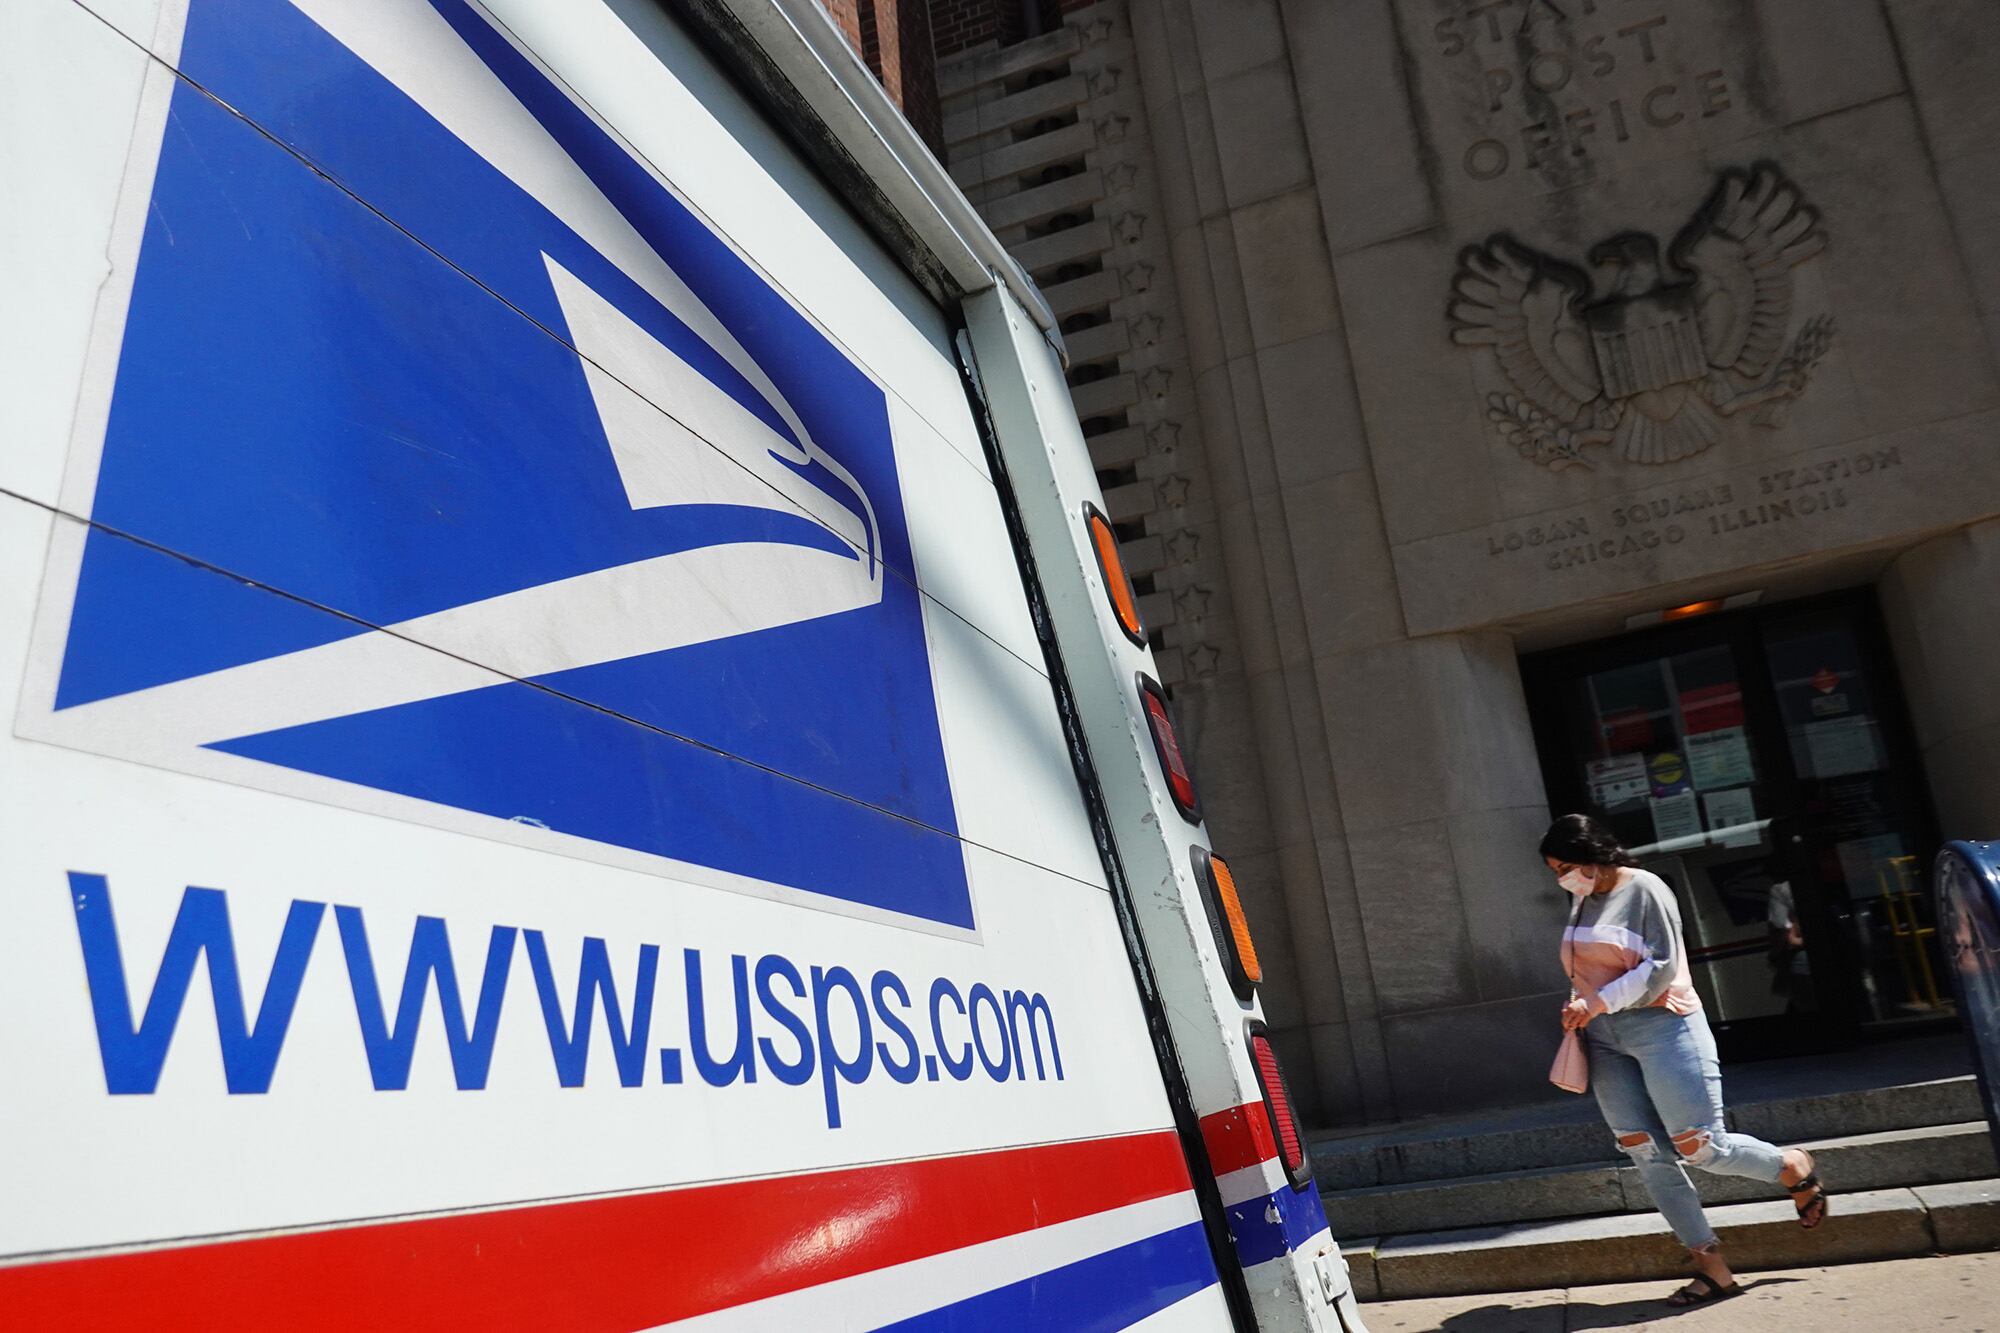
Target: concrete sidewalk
x=1959 y=1292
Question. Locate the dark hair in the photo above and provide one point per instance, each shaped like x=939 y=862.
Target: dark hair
x=1583 y=841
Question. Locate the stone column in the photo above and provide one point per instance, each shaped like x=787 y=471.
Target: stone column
x=1284 y=462
x=1400 y=795
x=1053 y=139
x=1942 y=602
x=1443 y=801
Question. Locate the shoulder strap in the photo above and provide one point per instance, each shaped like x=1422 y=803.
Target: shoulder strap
x=1569 y=945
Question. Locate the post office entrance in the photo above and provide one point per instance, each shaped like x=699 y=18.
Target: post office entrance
x=1762 y=763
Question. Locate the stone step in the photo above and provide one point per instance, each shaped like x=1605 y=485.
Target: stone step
x=1900 y=1157
x=1627 y=1247
x=1570 y=1133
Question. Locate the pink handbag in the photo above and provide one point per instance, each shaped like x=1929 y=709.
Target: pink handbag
x=1571 y=1071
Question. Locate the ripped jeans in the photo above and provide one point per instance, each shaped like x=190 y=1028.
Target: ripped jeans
x=1660 y=1088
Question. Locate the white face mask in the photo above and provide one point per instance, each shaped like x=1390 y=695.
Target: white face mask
x=1580 y=881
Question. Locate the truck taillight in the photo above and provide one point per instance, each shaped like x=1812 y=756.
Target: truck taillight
x=1180 y=782
x=1278 y=1104
x=1111 y=569
x=1225 y=918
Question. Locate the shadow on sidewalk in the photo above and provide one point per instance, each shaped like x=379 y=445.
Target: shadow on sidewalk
x=1575 y=1316
x=1652 y=1309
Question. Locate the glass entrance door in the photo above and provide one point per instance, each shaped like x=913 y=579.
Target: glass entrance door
x=1757 y=763
x=1866 y=826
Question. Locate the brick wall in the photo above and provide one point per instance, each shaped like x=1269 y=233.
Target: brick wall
x=960 y=25
x=901 y=42
x=917 y=87
x=846 y=13
x=893 y=38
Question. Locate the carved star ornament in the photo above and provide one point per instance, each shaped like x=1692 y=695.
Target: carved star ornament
x=1643 y=353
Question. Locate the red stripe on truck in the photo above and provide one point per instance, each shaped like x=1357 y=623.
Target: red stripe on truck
x=624 y=1262
x=1238 y=1137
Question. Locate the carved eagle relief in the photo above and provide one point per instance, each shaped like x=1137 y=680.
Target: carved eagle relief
x=1645 y=355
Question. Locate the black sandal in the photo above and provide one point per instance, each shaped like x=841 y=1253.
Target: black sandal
x=1700 y=1290
x=1813 y=1208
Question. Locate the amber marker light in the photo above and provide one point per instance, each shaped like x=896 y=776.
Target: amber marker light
x=1691 y=610
x=1180 y=782
x=1225 y=918
x=1111 y=569
x=1278 y=1105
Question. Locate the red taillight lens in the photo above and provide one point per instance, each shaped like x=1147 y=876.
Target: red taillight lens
x=1225 y=918
x=1180 y=782
x=1111 y=568
x=1278 y=1103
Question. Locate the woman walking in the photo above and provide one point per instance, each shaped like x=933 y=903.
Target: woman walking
x=1652 y=1058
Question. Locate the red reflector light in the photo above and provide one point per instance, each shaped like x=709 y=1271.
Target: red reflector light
x=1278 y=1104
x=1180 y=782
x=1111 y=568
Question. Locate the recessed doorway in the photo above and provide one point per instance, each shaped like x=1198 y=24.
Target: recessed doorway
x=1761 y=762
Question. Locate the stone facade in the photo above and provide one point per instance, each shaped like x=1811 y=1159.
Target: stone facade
x=1047 y=136
x=1423 y=332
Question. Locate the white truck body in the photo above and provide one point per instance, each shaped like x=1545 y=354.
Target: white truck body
x=535 y=794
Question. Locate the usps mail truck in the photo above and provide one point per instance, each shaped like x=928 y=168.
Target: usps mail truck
x=579 y=752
